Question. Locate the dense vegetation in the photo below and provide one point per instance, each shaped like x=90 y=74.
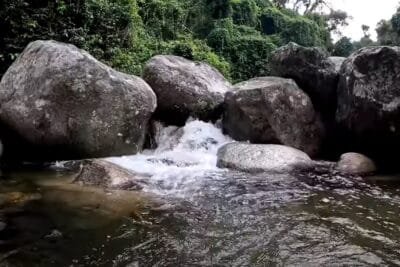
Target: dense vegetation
x=235 y=36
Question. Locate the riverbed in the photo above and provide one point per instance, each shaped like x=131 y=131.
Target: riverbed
x=190 y=213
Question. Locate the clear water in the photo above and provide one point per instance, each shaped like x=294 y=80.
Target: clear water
x=191 y=213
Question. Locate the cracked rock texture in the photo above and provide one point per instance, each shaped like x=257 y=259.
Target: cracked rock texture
x=58 y=102
x=262 y=158
x=369 y=102
x=267 y=110
x=185 y=89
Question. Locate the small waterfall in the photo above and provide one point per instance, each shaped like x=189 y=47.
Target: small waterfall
x=183 y=157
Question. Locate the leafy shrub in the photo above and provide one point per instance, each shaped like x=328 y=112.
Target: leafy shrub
x=235 y=36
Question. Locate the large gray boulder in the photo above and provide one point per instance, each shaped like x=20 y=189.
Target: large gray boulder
x=313 y=71
x=269 y=110
x=185 y=88
x=356 y=164
x=262 y=158
x=58 y=102
x=369 y=101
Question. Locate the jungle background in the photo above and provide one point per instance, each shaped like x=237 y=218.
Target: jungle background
x=235 y=36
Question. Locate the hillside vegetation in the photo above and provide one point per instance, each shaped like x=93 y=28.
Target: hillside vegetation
x=235 y=36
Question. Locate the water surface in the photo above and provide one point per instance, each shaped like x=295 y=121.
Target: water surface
x=191 y=213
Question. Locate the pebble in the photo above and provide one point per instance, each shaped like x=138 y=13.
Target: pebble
x=325 y=200
x=54 y=234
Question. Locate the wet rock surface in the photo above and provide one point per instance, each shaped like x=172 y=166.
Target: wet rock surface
x=185 y=88
x=262 y=158
x=313 y=71
x=273 y=110
x=58 y=102
x=356 y=164
x=368 y=102
x=104 y=174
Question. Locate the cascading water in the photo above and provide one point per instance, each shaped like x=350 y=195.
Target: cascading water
x=200 y=215
x=225 y=218
x=182 y=160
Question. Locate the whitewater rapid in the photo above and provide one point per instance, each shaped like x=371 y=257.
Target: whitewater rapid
x=183 y=156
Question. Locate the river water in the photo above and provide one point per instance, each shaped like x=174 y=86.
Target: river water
x=190 y=213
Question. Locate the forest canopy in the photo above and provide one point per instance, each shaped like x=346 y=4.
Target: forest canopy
x=235 y=36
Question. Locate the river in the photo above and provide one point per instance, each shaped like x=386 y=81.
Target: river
x=191 y=213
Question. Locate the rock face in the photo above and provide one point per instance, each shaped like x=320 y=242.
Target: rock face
x=269 y=110
x=355 y=163
x=185 y=88
x=59 y=102
x=369 y=101
x=262 y=158
x=104 y=174
x=313 y=71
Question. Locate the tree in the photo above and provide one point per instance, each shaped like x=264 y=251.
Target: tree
x=395 y=22
x=337 y=19
x=235 y=36
x=343 y=48
x=386 y=34
x=303 y=6
x=365 y=29
x=389 y=30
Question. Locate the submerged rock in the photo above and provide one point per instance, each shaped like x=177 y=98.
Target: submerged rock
x=58 y=102
x=273 y=110
x=356 y=164
x=262 y=158
x=8 y=199
x=105 y=174
x=369 y=102
x=313 y=71
x=185 y=88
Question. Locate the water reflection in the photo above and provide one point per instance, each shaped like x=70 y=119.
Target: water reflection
x=230 y=219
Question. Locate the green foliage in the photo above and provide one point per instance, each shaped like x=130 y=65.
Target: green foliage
x=364 y=42
x=99 y=26
x=247 y=50
x=235 y=36
x=163 y=19
x=196 y=50
x=294 y=28
x=245 y=12
x=389 y=30
x=343 y=48
x=386 y=34
x=219 y=9
x=395 y=21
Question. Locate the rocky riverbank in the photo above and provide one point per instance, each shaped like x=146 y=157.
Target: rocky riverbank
x=59 y=103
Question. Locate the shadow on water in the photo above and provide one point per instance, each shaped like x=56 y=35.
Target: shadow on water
x=226 y=219
x=46 y=221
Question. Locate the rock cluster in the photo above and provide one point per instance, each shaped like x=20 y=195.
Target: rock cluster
x=57 y=102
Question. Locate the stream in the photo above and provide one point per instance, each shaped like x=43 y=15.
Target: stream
x=191 y=213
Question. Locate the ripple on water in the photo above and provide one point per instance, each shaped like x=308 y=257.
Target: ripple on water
x=214 y=217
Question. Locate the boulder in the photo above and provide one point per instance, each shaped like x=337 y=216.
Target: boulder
x=269 y=110
x=58 y=102
x=185 y=88
x=262 y=158
x=105 y=174
x=369 y=102
x=355 y=163
x=338 y=61
x=313 y=71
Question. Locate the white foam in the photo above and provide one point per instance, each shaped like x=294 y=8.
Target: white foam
x=183 y=156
